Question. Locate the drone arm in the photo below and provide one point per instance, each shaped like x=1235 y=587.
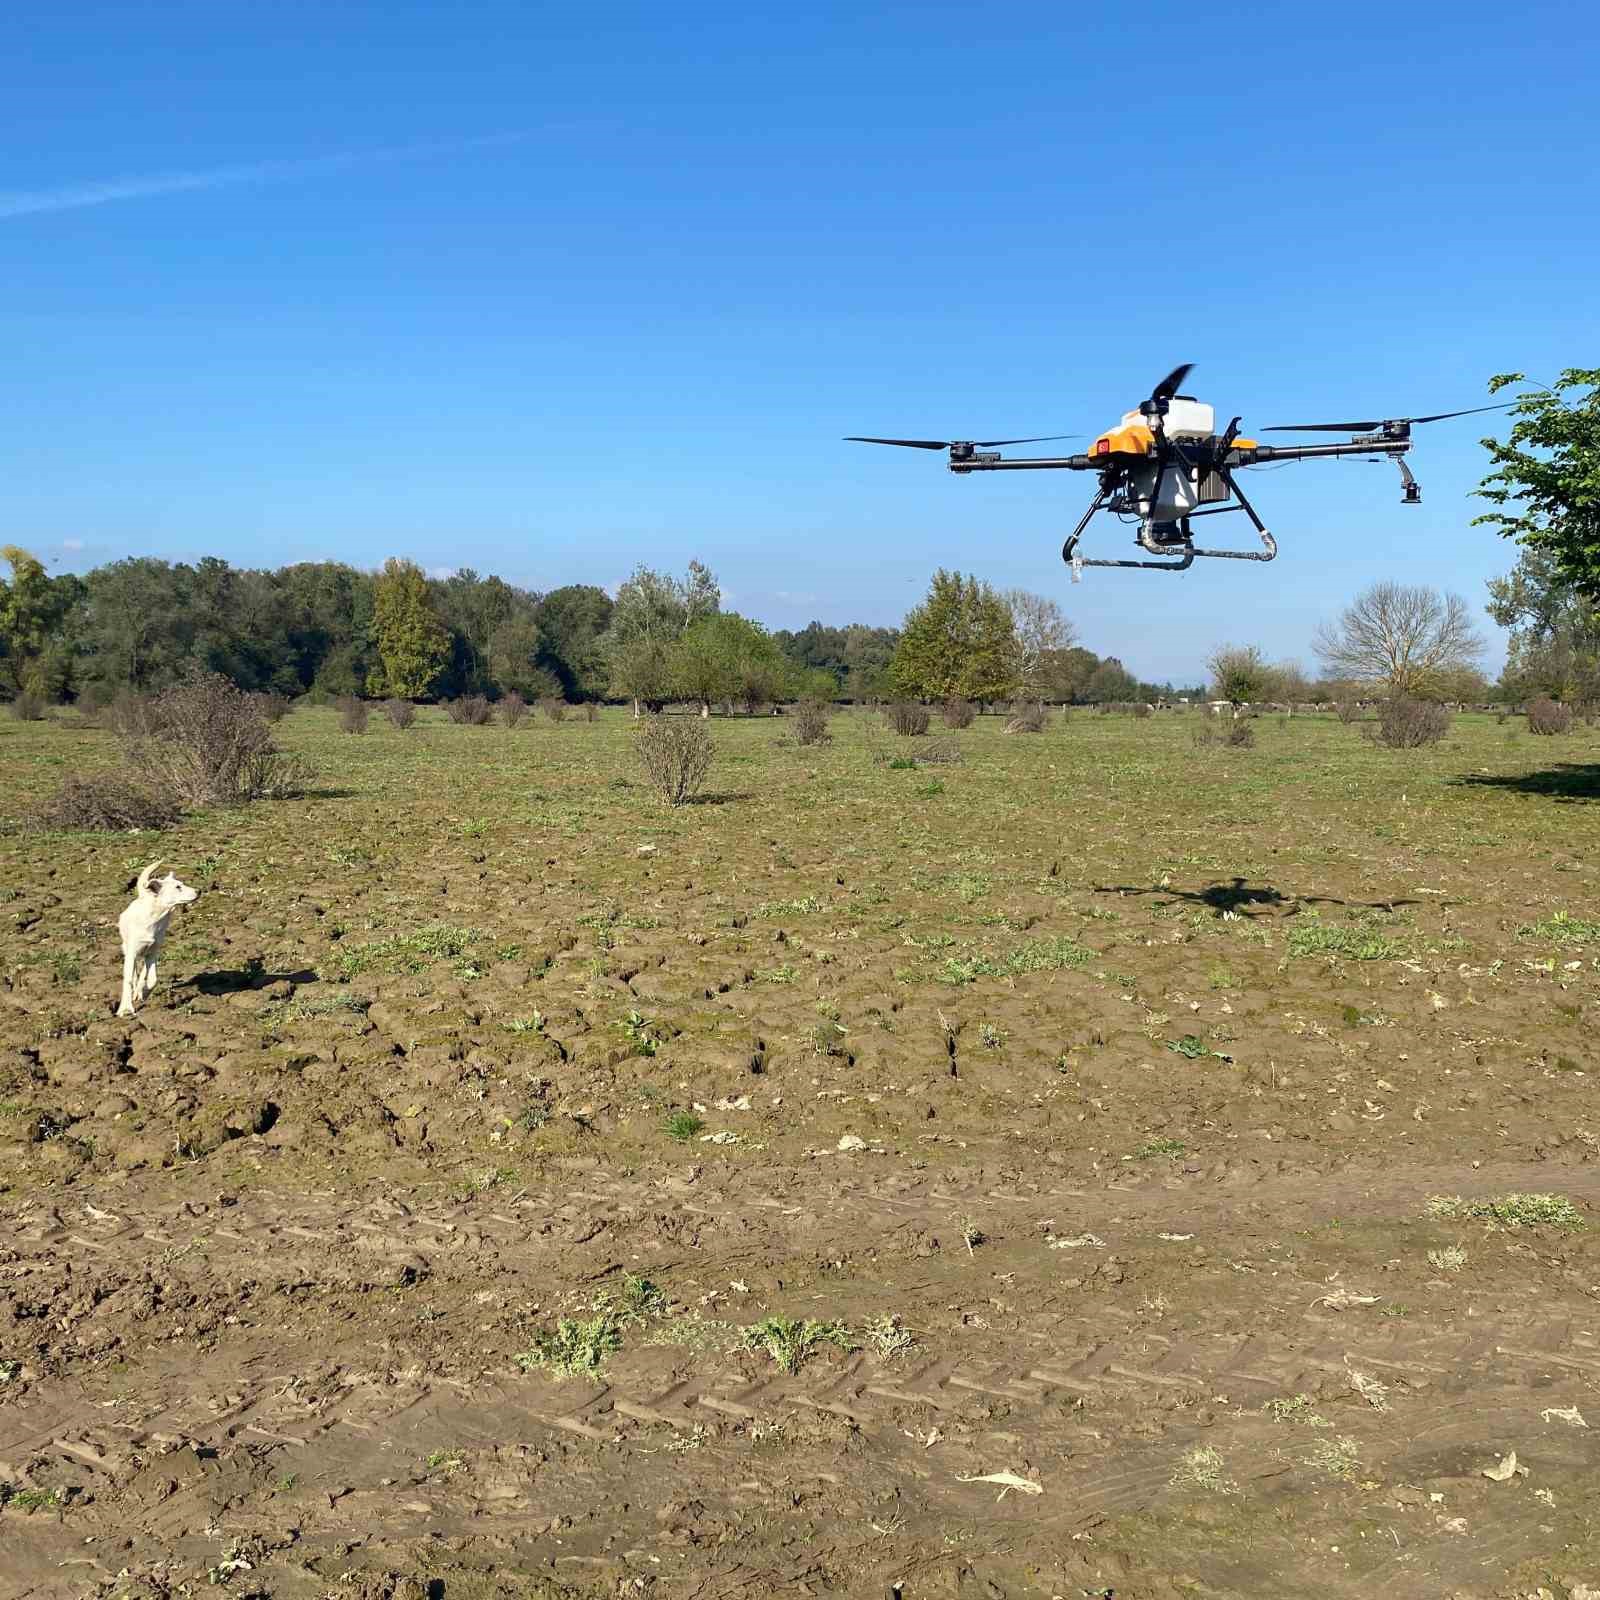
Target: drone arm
x=1257 y=453
x=1029 y=464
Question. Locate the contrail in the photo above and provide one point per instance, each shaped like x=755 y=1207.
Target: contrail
x=73 y=197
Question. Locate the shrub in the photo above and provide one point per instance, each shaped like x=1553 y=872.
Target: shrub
x=1030 y=719
x=207 y=743
x=273 y=707
x=401 y=713
x=128 y=716
x=1347 y=710
x=553 y=708
x=676 y=754
x=471 y=710
x=1143 y=708
x=1549 y=716
x=28 y=706
x=810 y=722
x=93 y=699
x=513 y=709
x=118 y=799
x=907 y=719
x=591 y=712
x=1239 y=734
x=957 y=713
x=1406 y=724
x=352 y=713
x=938 y=753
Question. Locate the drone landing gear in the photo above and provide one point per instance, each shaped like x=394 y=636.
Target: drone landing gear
x=1171 y=538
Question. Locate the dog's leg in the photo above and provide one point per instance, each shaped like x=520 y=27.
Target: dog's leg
x=126 y=1008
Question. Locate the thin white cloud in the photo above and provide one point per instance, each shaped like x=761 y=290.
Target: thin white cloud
x=72 y=544
x=73 y=197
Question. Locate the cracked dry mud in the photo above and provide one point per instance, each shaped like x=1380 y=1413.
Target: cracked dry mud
x=1150 y=1065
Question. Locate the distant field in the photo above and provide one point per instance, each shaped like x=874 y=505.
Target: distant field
x=1089 y=1109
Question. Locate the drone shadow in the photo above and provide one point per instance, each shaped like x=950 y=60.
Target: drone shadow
x=1567 y=782
x=1240 y=898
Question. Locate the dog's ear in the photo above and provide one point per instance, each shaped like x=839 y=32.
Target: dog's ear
x=144 y=879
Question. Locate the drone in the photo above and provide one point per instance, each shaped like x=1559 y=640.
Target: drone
x=1165 y=464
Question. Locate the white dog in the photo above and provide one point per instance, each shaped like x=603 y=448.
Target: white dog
x=143 y=927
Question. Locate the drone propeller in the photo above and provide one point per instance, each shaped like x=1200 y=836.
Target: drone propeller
x=1168 y=386
x=951 y=444
x=1382 y=422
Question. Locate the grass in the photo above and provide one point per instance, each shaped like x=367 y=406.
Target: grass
x=1299 y=1408
x=1509 y=1210
x=1202 y=1467
x=1153 y=1148
x=403 y=952
x=1561 y=928
x=1042 y=955
x=683 y=1126
x=1338 y=1457
x=887 y=1337
x=1311 y=937
x=577 y=1347
x=790 y=1342
x=1452 y=1258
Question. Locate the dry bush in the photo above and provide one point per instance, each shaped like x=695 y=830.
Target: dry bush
x=810 y=722
x=938 y=753
x=1143 y=708
x=1030 y=719
x=273 y=707
x=28 y=706
x=1238 y=734
x=513 y=709
x=1347 y=710
x=1406 y=724
x=1548 y=716
x=907 y=719
x=352 y=713
x=555 y=709
x=471 y=710
x=207 y=743
x=676 y=754
x=118 y=799
x=957 y=713
x=128 y=715
x=591 y=712
x=401 y=713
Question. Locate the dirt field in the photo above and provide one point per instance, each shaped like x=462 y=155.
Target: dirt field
x=1131 y=1122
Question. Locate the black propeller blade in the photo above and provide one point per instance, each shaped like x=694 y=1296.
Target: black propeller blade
x=947 y=444
x=1169 y=384
x=1381 y=422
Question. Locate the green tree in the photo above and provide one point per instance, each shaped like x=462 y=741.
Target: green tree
x=1545 y=482
x=413 y=644
x=1555 y=631
x=1239 y=673
x=571 y=622
x=137 y=623
x=1110 y=683
x=960 y=642
x=642 y=671
x=34 y=653
x=651 y=614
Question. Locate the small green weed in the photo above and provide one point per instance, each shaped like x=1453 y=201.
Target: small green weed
x=1152 y=1148
x=790 y=1341
x=1202 y=1468
x=1311 y=937
x=1561 y=928
x=1509 y=1210
x=1339 y=1457
x=789 y=908
x=1193 y=1048
x=683 y=1126
x=533 y=1024
x=1296 y=1408
x=641 y=1034
x=578 y=1347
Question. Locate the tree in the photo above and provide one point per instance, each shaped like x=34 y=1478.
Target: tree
x=571 y=622
x=413 y=644
x=960 y=643
x=1288 y=681
x=703 y=663
x=1555 y=632
x=1401 y=637
x=642 y=671
x=1042 y=631
x=34 y=655
x=1238 y=673
x=1110 y=683
x=1545 y=485
x=1067 y=673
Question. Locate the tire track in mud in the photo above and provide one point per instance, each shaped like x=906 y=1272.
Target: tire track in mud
x=1102 y=1415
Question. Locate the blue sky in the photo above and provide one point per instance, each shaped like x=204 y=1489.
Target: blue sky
x=549 y=290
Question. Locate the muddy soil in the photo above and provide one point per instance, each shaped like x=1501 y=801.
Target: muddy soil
x=1098 y=1165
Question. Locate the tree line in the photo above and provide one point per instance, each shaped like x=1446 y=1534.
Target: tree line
x=328 y=629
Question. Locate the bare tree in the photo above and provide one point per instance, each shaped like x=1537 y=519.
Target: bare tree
x=1041 y=628
x=1404 y=637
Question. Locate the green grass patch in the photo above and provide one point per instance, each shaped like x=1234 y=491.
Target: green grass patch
x=576 y=1347
x=1509 y=1210
x=1560 y=928
x=1311 y=937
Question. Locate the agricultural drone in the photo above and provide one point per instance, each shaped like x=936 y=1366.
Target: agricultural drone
x=1165 y=464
